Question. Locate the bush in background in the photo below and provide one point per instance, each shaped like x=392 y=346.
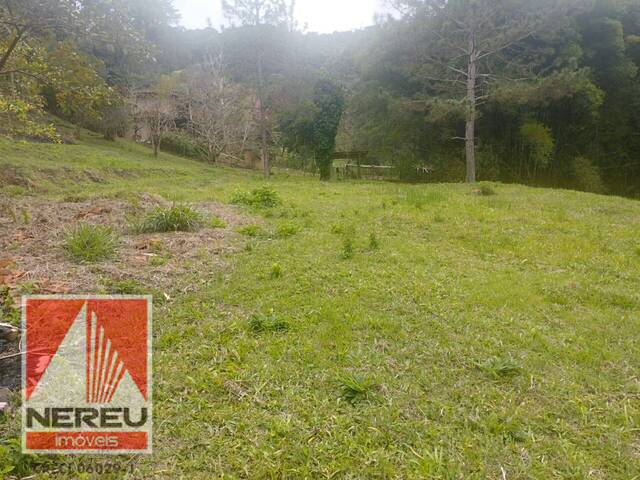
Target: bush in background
x=587 y=176
x=264 y=197
x=183 y=144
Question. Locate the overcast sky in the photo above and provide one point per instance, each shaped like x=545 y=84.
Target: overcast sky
x=324 y=16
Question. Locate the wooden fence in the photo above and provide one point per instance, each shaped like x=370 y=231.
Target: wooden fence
x=376 y=172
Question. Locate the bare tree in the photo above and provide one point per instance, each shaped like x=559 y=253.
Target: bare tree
x=218 y=111
x=157 y=109
x=468 y=39
x=257 y=13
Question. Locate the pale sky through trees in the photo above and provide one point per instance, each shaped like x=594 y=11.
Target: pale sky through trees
x=323 y=16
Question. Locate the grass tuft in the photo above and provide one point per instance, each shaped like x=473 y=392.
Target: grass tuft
x=286 y=230
x=263 y=197
x=348 y=247
x=178 y=218
x=90 y=243
x=252 y=231
x=500 y=368
x=8 y=311
x=215 y=222
x=374 y=243
x=267 y=324
x=419 y=199
x=486 y=191
x=356 y=388
x=123 y=287
x=276 y=271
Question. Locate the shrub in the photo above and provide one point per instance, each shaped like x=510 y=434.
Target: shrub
x=183 y=144
x=178 y=218
x=587 y=176
x=90 y=243
x=263 y=197
x=114 y=121
x=24 y=119
x=539 y=141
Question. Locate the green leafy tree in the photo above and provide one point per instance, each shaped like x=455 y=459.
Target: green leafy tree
x=329 y=101
x=41 y=54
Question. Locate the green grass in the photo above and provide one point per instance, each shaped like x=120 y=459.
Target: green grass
x=484 y=336
x=87 y=243
x=215 y=222
x=123 y=287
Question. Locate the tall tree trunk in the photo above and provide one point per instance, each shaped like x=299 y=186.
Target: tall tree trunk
x=156 y=145
x=470 y=141
x=264 y=147
x=14 y=42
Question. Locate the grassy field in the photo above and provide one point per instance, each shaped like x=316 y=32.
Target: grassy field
x=380 y=330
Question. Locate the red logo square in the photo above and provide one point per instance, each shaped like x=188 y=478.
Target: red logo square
x=87 y=374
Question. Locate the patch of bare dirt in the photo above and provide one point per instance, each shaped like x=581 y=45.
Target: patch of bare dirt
x=33 y=260
x=32 y=234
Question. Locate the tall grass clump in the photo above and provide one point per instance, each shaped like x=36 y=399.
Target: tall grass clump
x=90 y=243
x=267 y=324
x=485 y=190
x=178 y=218
x=374 y=243
x=419 y=199
x=356 y=388
x=500 y=367
x=348 y=247
x=263 y=197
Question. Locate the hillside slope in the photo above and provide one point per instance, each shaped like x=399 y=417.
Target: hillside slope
x=376 y=330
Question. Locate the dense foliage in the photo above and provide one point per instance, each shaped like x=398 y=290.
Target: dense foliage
x=329 y=103
x=560 y=108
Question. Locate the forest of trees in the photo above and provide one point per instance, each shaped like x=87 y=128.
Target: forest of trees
x=543 y=92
